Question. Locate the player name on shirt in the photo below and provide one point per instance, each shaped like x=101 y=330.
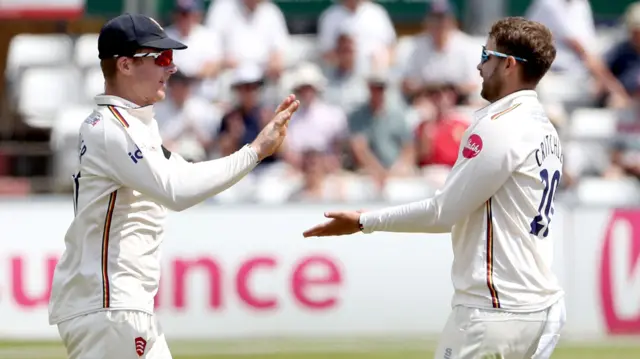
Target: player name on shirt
x=550 y=146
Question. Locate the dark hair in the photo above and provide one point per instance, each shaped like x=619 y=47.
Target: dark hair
x=530 y=40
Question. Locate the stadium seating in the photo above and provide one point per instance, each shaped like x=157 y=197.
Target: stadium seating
x=302 y=48
x=592 y=123
x=599 y=191
x=64 y=140
x=86 y=51
x=93 y=84
x=406 y=189
x=45 y=90
x=26 y=50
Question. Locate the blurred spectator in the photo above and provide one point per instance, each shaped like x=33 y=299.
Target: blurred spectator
x=438 y=135
x=575 y=43
x=251 y=31
x=381 y=140
x=623 y=60
x=185 y=121
x=625 y=152
x=242 y=124
x=442 y=54
x=316 y=125
x=369 y=25
x=202 y=60
x=346 y=86
x=317 y=183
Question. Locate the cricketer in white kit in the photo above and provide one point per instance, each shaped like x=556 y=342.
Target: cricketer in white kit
x=498 y=204
x=104 y=285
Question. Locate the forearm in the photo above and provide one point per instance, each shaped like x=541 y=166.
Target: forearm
x=199 y=181
x=416 y=217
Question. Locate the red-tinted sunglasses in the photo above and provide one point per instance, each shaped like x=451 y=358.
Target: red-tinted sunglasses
x=162 y=59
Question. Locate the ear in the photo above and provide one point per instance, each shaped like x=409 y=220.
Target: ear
x=125 y=65
x=510 y=63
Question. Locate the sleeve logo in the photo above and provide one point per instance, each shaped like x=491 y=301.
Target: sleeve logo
x=135 y=155
x=473 y=146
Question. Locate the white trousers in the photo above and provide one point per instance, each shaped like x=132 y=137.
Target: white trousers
x=472 y=333
x=116 y=334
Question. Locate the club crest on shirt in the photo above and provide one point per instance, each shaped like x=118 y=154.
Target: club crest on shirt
x=93 y=119
x=141 y=345
x=473 y=146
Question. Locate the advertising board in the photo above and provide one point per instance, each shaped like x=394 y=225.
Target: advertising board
x=603 y=275
x=246 y=271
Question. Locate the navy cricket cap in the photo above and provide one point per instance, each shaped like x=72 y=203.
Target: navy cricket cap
x=127 y=33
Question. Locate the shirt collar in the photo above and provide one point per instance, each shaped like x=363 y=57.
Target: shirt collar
x=143 y=113
x=505 y=102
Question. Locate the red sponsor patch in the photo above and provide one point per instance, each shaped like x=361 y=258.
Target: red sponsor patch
x=473 y=146
x=141 y=345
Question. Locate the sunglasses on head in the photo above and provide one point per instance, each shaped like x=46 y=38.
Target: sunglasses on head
x=486 y=54
x=162 y=59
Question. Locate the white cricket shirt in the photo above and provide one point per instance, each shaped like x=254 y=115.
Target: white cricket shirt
x=124 y=185
x=498 y=204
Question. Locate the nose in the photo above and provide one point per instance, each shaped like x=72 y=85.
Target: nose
x=172 y=69
x=479 y=65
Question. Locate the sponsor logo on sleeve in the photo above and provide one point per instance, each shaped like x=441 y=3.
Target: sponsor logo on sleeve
x=136 y=155
x=93 y=119
x=473 y=146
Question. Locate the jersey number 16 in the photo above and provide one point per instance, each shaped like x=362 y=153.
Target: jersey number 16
x=541 y=222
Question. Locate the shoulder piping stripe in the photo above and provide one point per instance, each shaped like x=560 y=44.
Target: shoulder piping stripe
x=118 y=116
x=106 y=299
x=505 y=111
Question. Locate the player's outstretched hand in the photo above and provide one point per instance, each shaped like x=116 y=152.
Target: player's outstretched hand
x=341 y=223
x=272 y=135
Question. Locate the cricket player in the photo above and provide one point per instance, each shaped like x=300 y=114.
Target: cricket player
x=104 y=285
x=498 y=203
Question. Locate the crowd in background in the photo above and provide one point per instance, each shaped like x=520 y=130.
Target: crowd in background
x=367 y=110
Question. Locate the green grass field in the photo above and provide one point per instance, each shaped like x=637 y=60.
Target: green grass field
x=275 y=349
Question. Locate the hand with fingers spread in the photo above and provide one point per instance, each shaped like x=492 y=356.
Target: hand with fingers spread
x=341 y=223
x=272 y=135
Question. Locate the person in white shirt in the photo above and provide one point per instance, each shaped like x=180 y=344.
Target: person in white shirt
x=571 y=23
x=317 y=125
x=442 y=54
x=187 y=122
x=104 y=285
x=250 y=31
x=498 y=204
x=203 y=59
x=370 y=26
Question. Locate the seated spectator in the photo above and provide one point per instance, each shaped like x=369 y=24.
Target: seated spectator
x=623 y=60
x=316 y=125
x=370 y=26
x=381 y=140
x=576 y=57
x=202 y=60
x=442 y=54
x=251 y=31
x=246 y=119
x=346 y=87
x=317 y=183
x=185 y=121
x=625 y=152
x=438 y=135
